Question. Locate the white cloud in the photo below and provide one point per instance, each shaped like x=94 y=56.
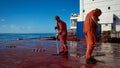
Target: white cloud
x=25 y=27
x=16 y=28
x=29 y=27
x=4 y=26
x=20 y=27
x=2 y=20
x=13 y=26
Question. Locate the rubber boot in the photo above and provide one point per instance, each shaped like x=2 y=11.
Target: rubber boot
x=65 y=50
x=91 y=60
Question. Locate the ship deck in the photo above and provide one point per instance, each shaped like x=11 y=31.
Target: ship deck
x=41 y=54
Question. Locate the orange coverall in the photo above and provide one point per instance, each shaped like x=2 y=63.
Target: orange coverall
x=90 y=29
x=62 y=34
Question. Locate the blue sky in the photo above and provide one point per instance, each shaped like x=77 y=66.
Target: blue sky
x=34 y=16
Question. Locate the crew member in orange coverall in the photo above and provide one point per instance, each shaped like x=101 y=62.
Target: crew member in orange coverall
x=62 y=35
x=90 y=29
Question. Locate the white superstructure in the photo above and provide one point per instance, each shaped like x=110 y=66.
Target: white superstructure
x=110 y=18
x=73 y=20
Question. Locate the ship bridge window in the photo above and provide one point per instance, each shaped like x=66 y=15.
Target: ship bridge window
x=109 y=8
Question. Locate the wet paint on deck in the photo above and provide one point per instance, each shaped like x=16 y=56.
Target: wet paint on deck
x=38 y=54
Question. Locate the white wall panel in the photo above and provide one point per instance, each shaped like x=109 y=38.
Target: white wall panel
x=102 y=3
x=107 y=14
x=95 y=1
x=106 y=18
x=117 y=27
x=106 y=28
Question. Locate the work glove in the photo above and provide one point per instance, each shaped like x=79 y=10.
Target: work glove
x=57 y=36
x=98 y=19
x=55 y=27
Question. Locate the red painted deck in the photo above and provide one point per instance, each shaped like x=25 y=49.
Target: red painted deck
x=38 y=54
